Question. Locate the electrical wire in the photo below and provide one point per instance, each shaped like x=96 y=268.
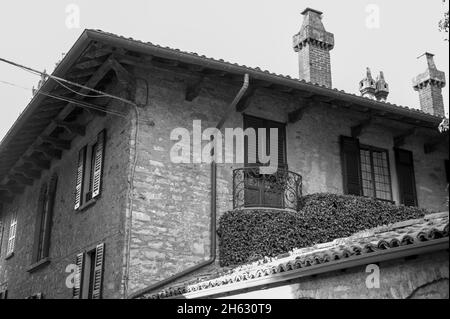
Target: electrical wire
x=79 y=93
x=45 y=75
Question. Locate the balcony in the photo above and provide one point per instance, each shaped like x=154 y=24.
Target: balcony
x=253 y=189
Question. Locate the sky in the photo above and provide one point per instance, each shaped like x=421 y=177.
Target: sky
x=384 y=35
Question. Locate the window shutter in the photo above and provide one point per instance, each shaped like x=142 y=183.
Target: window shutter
x=447 y=170
x=80 y=175
x=98 y=272
x=251 y=147
x=98 y=165
x=406 y=180
x=1 y=237
x=38 y=224
x=351 y=167
x=12 y=235
x=77 y=288
x=51 y=193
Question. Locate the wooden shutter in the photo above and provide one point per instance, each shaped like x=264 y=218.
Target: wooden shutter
x=12 y=235
x=98 y=272
x=351 y=166
x=405 y=174
x=51 y=193
x=80 y=179
x=251 y=147
x=78 y=287
x=447 y=170
x=98 y=165
x=38 y=224
x=255 y=123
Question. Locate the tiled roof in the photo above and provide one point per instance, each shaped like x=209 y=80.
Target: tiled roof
x=409 y=233
x=259 y=70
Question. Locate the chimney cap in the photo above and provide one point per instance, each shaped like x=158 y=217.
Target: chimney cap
x=312 y=10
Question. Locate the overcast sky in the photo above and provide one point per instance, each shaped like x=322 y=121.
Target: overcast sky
x=251 y=32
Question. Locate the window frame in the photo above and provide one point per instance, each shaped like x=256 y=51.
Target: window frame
x=88 y=171
x=373 y=149
x=11 y=243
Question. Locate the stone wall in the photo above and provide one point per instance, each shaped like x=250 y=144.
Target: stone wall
x=73 y=231
x=171 y=212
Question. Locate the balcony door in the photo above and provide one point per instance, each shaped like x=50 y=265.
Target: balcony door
x=264 y=190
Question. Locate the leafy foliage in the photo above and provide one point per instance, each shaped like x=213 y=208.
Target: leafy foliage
x=249 y=235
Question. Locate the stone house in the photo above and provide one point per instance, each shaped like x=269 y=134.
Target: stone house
x=93 y=205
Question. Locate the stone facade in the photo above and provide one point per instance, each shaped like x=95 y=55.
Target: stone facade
x=171 y=213
x=73 y=231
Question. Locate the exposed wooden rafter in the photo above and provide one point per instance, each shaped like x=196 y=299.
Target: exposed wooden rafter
x=56 y=143
x=193 y=88
x=399 y=140
x=72 y=128
x=297 y=115
x=358 y=129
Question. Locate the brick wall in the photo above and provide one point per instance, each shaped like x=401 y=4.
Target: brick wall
x=431 y=100
x=315 y=65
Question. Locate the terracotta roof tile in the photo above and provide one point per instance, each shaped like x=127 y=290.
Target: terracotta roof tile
x=411 y=232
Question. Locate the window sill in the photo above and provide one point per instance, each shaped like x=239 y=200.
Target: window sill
x=36 y=266
x=9 y=256
x=87 y=205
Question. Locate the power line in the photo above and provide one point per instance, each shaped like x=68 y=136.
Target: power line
x=43 y=74
x=80 y=103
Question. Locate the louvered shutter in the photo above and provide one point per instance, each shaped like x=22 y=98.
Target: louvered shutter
x=98 y=165
x=12 y=235
x=78 y=286
x=38 y=224
x=98 y=272
x=405 y=174
x=80 y=179
x=51 y=193
x=351 y=165
x=1 y=236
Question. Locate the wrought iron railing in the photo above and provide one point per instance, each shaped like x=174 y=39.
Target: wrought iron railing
x=282 y=189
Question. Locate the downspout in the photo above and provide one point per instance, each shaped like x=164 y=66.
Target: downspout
x=213 y=225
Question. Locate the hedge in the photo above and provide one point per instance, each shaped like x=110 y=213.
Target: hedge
x=249 y=235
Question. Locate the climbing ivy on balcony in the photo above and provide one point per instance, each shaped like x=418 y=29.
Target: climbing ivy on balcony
x=249 y=235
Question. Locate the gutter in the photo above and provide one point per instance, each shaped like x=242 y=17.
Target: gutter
x=213 y=226
x=347 y=263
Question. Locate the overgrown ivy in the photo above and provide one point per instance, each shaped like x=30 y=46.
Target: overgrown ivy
x=249 y=235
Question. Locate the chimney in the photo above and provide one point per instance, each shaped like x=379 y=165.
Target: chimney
x=367 y=86
x=382 y=88
x=429 y=84
x=313 y=45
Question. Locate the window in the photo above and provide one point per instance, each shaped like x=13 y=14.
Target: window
x=44 y=221
x=89 y=274
x=376 y=179
x=89 y=172
x=365 y=170
x=12 y=236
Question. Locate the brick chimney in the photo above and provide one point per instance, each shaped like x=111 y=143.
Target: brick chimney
x=429 y=84
x=313 y=45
